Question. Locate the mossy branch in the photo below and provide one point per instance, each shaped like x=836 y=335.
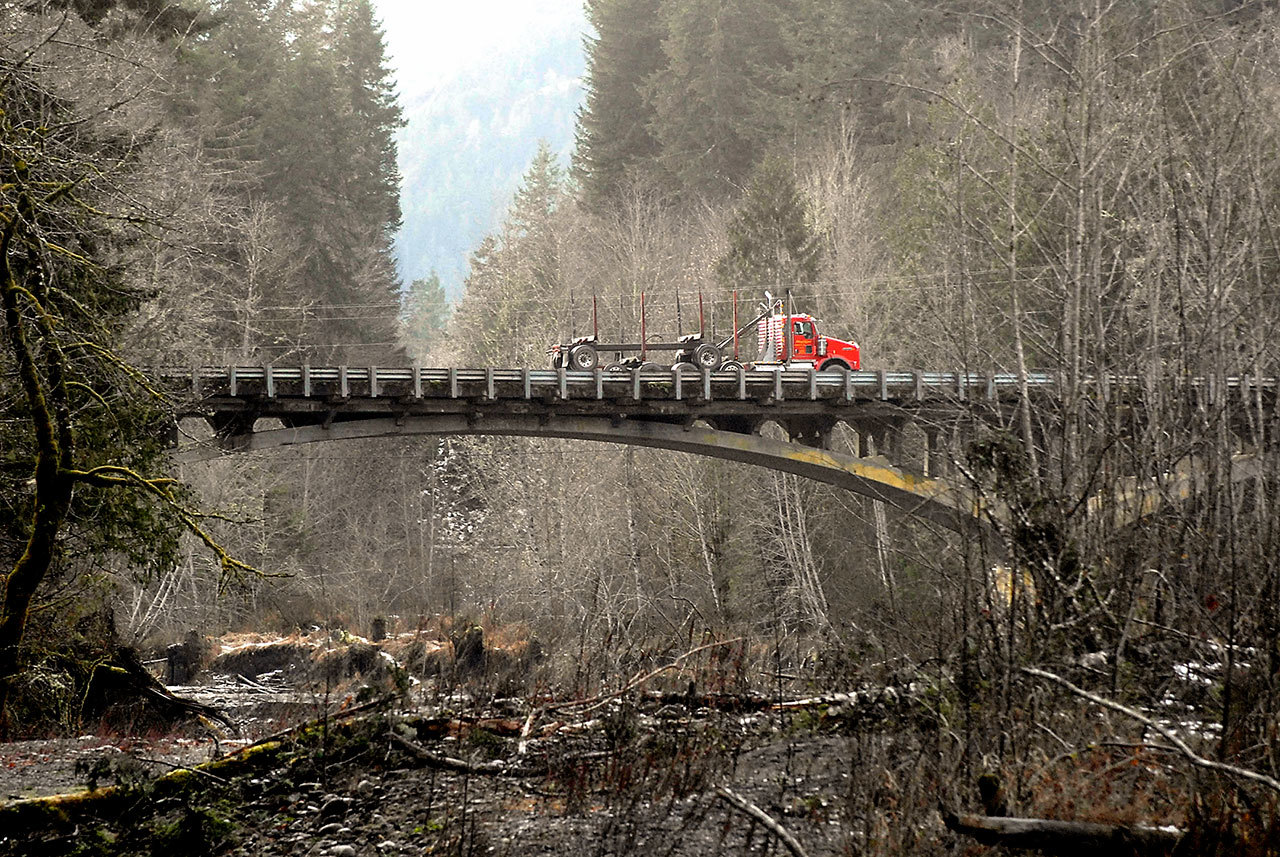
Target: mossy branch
x=161 y=488
x=134 y=374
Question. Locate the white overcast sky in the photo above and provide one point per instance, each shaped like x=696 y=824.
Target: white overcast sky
x=429 y=39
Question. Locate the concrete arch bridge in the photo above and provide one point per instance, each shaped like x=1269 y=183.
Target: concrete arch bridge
x=901 y=425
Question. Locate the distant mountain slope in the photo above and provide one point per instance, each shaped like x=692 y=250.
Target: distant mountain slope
x=468 y=141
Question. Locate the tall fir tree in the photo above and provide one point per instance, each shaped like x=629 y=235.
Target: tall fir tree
x=505 y=316
x=771 y=240
x=425 y=317
x=300 y=95
x=614 y=137
x=725 y=95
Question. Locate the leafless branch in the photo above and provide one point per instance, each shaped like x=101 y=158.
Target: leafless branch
x=738 y=802
x=1181 y=746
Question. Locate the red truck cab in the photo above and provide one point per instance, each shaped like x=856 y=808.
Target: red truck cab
x=809 y=346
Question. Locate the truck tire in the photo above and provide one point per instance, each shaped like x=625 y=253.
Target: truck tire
x=583 y=358
x=730 y=366
x=707 y=356
x=835 y=364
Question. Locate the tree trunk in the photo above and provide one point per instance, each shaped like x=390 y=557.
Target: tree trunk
x=1051 y=836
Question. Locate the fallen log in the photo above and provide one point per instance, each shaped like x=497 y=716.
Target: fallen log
x=121 y=682
x=1052 y=836
x=496 y=768
x=66 y=810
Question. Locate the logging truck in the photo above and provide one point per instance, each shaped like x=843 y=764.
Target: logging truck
x=784 y=340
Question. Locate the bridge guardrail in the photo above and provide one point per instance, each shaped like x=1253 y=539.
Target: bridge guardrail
x=683 y=382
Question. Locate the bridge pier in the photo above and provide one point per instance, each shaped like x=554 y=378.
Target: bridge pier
x=814 y=432
x=936 y=462
x=232 y=427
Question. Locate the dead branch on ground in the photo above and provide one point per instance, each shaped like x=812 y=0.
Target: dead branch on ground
x=595 y=702
x=740 y=803
x=496 y=768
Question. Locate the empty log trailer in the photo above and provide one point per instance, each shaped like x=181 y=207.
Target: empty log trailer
x=784 y=340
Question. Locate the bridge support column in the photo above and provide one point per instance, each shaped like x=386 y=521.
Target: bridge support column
x=936 y=462
x=814 y=432
x=888 y=443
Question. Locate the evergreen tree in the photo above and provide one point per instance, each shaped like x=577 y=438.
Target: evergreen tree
x=614 y=133
x=530 y=226
x=506 y=314
x=425 y=316
x=299 y=99
x=725 y=95
x=771 y=242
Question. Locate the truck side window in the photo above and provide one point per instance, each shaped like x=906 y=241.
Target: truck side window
x=803 y=328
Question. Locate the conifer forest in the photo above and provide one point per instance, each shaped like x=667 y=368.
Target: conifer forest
x=498 y=645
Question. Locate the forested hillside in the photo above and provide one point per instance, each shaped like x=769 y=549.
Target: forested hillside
x=1083 y=189
x=1080 y=189
x=179 y=184
x=469 y=138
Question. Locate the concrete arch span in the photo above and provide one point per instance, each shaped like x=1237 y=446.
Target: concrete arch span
x=931 y=499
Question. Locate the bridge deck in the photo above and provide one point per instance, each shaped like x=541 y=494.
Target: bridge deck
x=363 y=392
